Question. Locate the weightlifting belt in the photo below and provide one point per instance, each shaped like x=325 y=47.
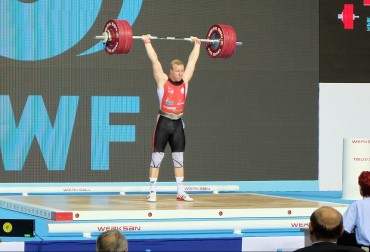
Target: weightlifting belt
x=170 y=115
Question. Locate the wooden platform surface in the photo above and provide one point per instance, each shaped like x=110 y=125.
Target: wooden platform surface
x=136 y=207
x=164 y=202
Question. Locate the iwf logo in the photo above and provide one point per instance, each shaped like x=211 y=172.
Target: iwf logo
x=40 y=29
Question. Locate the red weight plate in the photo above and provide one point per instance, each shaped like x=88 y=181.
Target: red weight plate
x=125 y=37
x=215 y=33
x=121 y=38
x=348 y=16
x=225 y=47
x=345 y=16
x=112 y=28
x=128 y=36
x=232 y=38
x=229 y=41
x=351 y=20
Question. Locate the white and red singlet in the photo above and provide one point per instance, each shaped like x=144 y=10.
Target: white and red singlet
x=172 y=98
x=169 y=127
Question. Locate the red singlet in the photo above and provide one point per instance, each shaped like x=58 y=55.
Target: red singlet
x=172 y=97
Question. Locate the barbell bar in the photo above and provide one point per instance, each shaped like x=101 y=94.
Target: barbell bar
x=117 y=38
x=105 y=37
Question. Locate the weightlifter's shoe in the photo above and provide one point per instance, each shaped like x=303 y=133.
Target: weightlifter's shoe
x=152 y=197
x=184 y=197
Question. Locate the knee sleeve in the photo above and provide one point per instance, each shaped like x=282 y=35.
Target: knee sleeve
x=178 y=159
x=157 y=158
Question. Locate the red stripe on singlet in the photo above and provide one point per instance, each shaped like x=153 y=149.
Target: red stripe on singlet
x=153 y=136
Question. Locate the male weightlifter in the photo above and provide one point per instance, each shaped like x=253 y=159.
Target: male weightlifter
x=171 y=90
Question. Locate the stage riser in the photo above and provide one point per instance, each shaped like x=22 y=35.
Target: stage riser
x=235 y=244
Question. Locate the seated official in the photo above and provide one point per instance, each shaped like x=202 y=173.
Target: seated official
x=326 y=226
x=356 y=219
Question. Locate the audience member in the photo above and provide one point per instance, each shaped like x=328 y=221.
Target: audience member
x=111 y=241
x=356 y=219
x=326 y=226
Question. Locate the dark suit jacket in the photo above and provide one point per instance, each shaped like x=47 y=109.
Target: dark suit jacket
x=329 y=247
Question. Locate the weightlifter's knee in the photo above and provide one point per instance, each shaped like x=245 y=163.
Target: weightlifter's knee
x=157 y=158
x=178 y=159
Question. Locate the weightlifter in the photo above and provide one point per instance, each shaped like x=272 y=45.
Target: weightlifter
x=172 y=90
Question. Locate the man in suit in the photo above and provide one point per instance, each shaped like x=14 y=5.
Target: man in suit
x=326 y=226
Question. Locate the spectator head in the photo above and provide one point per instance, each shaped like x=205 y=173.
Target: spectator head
x=326 y=224
x=111 y=241
x=364 y=183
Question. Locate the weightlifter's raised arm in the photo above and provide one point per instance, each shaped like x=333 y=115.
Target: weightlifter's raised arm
x=159 y=76
x=192 y=60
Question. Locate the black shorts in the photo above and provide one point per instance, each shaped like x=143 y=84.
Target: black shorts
x=168 y=131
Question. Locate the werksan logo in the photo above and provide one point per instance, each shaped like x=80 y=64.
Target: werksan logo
x=40 y=29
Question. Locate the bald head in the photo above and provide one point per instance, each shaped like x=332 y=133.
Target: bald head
x=111 y=241
x=326 y=224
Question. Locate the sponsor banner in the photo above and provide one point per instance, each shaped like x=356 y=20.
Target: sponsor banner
x=122 y=189
x=237 y=226
x=356 y=158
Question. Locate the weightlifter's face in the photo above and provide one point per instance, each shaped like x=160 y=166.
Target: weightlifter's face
x=177 y=72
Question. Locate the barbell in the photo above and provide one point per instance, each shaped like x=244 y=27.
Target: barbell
x=220 y=42
x=348 y=17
